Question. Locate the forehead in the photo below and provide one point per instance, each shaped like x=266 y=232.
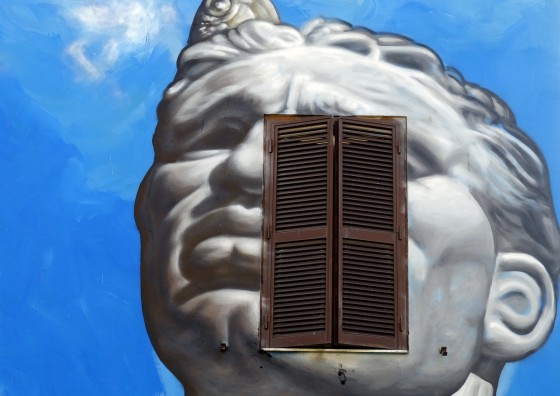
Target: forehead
x=438 y=135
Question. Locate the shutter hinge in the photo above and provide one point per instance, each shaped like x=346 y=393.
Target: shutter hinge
x=265 y=322
x=398 y=145
x=270 y=144
x=400 y=233
x=400 y=324
x=268 y=230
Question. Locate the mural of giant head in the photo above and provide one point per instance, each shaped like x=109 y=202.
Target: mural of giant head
x=483 y=240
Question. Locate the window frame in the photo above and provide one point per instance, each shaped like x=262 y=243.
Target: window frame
x=335 y=234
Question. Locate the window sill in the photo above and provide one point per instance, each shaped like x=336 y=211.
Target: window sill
x=333 y=350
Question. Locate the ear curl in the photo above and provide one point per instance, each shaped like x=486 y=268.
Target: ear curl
x=521 y=308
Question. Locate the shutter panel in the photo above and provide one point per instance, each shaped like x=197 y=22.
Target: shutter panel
x=372 y=232
x=298 y=206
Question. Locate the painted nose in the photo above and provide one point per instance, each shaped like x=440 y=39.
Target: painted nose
x=241 y=173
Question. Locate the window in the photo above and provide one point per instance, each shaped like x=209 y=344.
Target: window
x=335 y=233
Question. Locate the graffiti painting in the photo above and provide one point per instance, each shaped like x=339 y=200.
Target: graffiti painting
x=478 y=87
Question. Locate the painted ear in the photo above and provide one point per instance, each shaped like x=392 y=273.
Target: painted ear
x=215 y=16
x=521 y=308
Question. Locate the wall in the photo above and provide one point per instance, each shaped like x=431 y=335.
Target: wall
x=77 y=114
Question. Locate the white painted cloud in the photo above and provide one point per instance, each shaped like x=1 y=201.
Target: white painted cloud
x=114 y=30
x=77 y=51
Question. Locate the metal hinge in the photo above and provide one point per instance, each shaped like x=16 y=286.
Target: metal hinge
x=268 y=231
x=400 y=324
x=400 y=233
x=270 y=144
x=398 y=145
x=265 y=322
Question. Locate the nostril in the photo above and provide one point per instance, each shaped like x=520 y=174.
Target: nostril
x=238 y=173
x=221 y=177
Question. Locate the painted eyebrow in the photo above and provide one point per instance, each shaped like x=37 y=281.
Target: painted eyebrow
x=203 y=127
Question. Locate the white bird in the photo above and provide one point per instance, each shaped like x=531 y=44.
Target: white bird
x=215 y=16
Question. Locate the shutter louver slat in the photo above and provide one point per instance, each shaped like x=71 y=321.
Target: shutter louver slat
x=302 y=188
x=363 y=193
x=369 y=288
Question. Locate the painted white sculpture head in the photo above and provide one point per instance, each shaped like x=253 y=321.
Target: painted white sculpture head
x=483 y=237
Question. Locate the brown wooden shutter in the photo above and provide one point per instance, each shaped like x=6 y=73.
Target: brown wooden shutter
x=298 y=217
x=372 y=232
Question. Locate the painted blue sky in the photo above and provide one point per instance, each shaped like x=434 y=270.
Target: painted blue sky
x=80 y=81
